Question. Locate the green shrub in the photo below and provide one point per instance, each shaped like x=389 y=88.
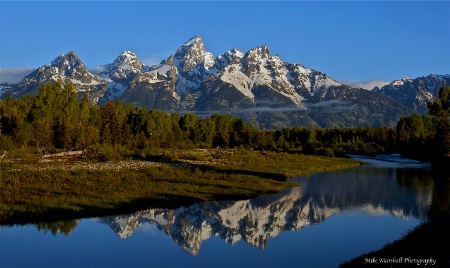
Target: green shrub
x=328 y=152
x=6 y=143
x=106 y=152
x=163 y=155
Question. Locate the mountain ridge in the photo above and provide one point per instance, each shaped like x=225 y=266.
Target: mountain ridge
x=193 y=80
x=416 y=92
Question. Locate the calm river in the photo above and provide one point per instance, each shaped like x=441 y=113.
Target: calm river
x=330 y=218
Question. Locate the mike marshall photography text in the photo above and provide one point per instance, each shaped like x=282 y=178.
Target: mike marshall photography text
x=401 y=260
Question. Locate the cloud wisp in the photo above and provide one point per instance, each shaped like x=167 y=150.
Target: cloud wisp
x=332 y=106
x=369 y=84
x=13 y=75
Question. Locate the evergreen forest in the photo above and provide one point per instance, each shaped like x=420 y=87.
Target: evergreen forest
x=58 y=120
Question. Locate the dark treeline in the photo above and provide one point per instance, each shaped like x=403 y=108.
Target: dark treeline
x=427 y=137
x=57 y=119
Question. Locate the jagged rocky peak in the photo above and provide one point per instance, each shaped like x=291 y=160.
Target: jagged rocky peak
x=256 y=58
x=259 y=52
x=65 y=66
x=230 y=57
x=128 y=58
x=126 y=63
x=417 y=92
x=69 y=64
x=195 y=41
x=168 y=61
x=166 y=69
x=261 y=56
x=401 y=82
x=233 y=54
x=193 y=53
x=264 y=50
x=67 y=60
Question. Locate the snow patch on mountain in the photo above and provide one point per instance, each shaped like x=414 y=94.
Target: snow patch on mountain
x=209 y=60
x=116 y=90
x=185 y=85
x=78 y=82
x=160 y=69
x=401 y=82
x=232 y=75
x=325 y=81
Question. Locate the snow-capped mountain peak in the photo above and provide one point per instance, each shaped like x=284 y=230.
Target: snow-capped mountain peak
x=259 y=52
x=67 y=66
x=401 y=82
x=126 y=65
x=235 y=54
x=67 y=60
x=193 y=53
x=128 y=54
x=229 y=57
x=415 y=92
x=70 y=65
x=194 y=41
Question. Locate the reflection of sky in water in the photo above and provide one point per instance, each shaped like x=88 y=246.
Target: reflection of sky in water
x=320 y=245
x=330 y=218
x=391 y=161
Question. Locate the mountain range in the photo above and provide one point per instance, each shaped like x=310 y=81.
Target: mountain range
x=415 y=93
x=256 y=86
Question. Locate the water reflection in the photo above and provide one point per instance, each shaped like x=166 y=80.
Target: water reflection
x=400 y=192
x=62 y=227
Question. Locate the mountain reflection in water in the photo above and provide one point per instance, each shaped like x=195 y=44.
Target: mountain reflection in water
x=318 y=197
x=399 y=192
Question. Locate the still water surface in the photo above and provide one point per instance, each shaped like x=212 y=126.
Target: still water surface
x=330 y=218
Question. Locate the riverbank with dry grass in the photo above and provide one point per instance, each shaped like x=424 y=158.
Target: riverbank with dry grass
x=47 y=189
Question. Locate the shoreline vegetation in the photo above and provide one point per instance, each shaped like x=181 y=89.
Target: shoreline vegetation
x=64 y=188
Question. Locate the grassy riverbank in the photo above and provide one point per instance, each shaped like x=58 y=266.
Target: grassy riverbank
x=58 y=189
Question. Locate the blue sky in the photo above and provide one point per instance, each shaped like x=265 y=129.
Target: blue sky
x=357 y=41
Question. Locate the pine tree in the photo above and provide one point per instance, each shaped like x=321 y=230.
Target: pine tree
x=207 y=128
x=110 y=129
x=440 y=110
